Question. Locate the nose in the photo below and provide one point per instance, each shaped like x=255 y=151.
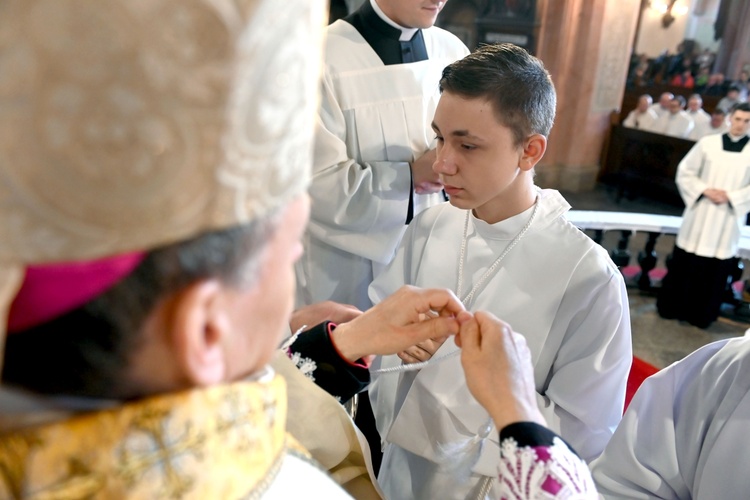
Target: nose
x=444 y=164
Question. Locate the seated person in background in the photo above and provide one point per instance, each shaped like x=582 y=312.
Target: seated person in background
x=716 y=125
x=730 y=100
x=684 y=434
x=701 y=80
x=642 y=117
x=684 y=79
x=717 y=85
x=662 y=107
x=675 y=123
x=506 y=247
x=696 y=112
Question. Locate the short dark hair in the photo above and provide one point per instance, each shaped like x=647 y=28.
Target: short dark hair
x=515 y=82
x=86 y=351
x=741 y=106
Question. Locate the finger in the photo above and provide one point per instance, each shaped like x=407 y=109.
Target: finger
x=408 y=357
x=435 y=328
x=470 y=336
x=441 y=300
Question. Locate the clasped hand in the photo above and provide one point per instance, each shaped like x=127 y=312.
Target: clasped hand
x=717 y=196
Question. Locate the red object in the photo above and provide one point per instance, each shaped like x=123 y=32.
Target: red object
x=49 y=291
x=639 y=371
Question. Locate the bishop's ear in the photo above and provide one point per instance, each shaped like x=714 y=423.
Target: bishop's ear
x=533 y=150
x=199 y=328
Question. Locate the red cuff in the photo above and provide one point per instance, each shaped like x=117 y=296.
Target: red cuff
x=360 y=363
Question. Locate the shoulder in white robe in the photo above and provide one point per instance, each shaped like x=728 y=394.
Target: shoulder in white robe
x=684 y=434
x=675 y=125
x=557 y=288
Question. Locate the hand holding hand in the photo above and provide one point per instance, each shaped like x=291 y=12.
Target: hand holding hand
x=406 y=318
x=499 y=373
x=422 y=351
x=424 y=178
x=717 y=196
x=319 y=312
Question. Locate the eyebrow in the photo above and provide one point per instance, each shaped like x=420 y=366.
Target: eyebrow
x=459 y=133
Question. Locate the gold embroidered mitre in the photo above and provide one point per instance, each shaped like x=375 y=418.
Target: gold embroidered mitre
x=130 y=124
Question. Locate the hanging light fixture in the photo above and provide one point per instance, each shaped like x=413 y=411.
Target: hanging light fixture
x=669 y=9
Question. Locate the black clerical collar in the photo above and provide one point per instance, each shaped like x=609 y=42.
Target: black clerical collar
x=733 y=146
x=384 y=38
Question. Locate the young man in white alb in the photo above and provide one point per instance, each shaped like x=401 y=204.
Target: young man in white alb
x=505 y=247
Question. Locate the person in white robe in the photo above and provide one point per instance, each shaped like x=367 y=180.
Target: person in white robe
x=675 y=123
x=716 y=125
x=684 y=433
x=714 y=182
x=505 y=247
x=696 y=112
x=642 y=117
x=372 y=167
x=662 y=107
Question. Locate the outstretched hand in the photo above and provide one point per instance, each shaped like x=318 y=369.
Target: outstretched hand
x=314 y=314
x=407 y=317
x=498 y=368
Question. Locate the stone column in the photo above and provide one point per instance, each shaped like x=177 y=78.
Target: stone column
x=734 y=52
x=586 y=46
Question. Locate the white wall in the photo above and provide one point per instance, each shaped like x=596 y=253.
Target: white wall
x=654 y=39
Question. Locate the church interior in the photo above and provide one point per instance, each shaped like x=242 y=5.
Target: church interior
x=232 y=364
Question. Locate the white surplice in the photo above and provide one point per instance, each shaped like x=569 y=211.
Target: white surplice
x=557 y=288
x=674 y=124
x=703 y=129
x=374 y=120
x=641 y=121
x=710 y=230
x=684 y=434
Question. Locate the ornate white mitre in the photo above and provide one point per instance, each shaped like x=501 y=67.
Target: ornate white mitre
x=130 y=124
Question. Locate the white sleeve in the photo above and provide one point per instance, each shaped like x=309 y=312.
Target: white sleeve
x=360 y=208
x=399 y=271
x=640 y=460
x=683 y=435
x=688 y=180
x=585 y=391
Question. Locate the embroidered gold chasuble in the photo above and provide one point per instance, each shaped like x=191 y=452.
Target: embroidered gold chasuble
x=222 y=442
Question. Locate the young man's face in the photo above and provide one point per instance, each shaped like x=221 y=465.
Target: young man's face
x=739 y=122
x=477 y=159
x=412 y=13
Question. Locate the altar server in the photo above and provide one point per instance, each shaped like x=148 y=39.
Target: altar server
x=714 y=182
x=504 y=246
x=372 y=169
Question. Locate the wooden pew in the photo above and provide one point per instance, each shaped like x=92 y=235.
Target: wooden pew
x=630 y=98
x=640 y=163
